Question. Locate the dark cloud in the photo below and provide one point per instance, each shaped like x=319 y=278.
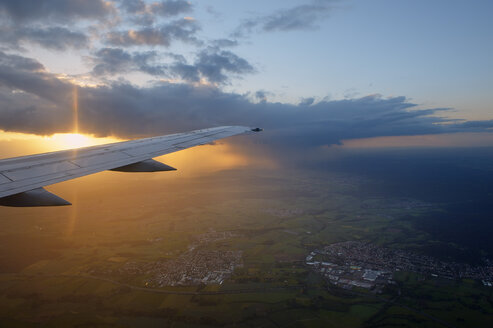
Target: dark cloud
x=33 y=100
x=179 y=30
x=28 y=75
x=165 y=8
x=111 y=61
x=115 y=61
x=261 y=95
x=168 y=8
x=133 y=6
x=56 y=38
x=211 y=65
x=488 y=124
x=301 y=17
x=214 y=65
x=307 y=101
x=19 y=63
x=59 y=10
x=224 y=43
x=143 y=13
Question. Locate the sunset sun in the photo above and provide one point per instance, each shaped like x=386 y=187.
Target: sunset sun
x=72 y=140
x=77 y=140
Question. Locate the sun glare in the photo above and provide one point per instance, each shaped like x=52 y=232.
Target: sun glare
x=72 y=140
x=77 y=140
x=22 y=144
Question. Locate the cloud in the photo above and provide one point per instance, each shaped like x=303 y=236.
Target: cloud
x=30 y=76
x=301 y=17
x=45 y=23
x=36 y=101
x=133 y=6
x=55 y=38
x=261 y=95
x=214 y=65
x=211 y=65
x=170 y=7
x=307 y=101
x=165 y=8
x=487 y=124
x=144 y=13
x=115 y=61
x=224 y=43
x=179 y=30
x=60 y=10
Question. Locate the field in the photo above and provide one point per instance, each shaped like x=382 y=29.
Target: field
x=48 y=256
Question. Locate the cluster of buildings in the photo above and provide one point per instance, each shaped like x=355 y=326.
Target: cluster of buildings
x=194 y=268
x=198 y=265
x=355 y=263
x=346 y=275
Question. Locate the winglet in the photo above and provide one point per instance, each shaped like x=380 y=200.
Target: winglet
x=31 y=198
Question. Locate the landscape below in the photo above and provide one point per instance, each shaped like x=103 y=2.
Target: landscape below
x=246 y=248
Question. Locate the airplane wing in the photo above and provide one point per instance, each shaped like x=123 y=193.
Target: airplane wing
x=22 y=178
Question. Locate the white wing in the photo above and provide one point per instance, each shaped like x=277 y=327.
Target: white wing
x=22 y=178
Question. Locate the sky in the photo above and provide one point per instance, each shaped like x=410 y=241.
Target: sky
x=313 y=73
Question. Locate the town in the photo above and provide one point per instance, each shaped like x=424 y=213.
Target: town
x=358 y=264
x=196 y=266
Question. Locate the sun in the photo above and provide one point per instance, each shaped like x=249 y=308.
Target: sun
x=71 y=140
x=77 y=140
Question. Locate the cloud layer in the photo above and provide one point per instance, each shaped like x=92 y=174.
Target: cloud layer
x=36 y=101
x=186 y=90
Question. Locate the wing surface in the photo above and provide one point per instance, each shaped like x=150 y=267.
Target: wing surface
x=27 y=173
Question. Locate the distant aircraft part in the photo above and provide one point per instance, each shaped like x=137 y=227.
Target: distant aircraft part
x=22 y=178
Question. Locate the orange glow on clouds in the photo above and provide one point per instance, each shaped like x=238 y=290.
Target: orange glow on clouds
x=20 y=144
x=77 y=140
